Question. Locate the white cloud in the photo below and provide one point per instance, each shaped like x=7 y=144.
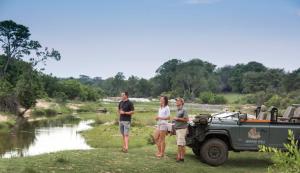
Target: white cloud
x=201 y=1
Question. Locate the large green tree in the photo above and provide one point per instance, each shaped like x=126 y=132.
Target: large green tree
x=193 y=77
x=17 y=64
x=16 y=44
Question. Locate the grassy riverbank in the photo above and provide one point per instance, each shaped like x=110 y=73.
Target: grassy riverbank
x=107 y=157
x=137 y=160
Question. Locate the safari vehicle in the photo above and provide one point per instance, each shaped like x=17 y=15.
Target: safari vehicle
x=211 y=137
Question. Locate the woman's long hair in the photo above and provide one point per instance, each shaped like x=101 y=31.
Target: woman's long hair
x=166 y=100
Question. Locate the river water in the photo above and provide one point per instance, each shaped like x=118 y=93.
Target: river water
x=44 y=137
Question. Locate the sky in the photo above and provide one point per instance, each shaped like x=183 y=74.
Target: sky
x=99 y=38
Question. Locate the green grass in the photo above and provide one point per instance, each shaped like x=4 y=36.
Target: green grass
x=107 y=157
x=108 y=136
x=137 y=160
x=232 y=98
x=6 y=126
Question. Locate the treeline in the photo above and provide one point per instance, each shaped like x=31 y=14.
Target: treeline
x=192 y=78
x=22 y=83
x=195 y=80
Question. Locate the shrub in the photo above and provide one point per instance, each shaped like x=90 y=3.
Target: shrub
x=285 y=162
x=211 y=98
x=274 y=101
x=44 y=112
x=62 y=159
x=60 y=97
x=88 y=107
x=258 y=98
x=38 y=112
x=50 y=112
x=220 y=99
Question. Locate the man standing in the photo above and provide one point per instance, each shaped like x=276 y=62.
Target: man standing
x=126 y=109
x=181 y=124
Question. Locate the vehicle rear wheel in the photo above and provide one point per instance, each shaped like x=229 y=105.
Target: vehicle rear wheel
x=214 y=152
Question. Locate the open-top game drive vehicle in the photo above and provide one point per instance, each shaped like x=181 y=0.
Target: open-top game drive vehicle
x=211 y=137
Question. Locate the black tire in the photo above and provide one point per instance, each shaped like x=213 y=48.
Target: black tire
x=214 y=152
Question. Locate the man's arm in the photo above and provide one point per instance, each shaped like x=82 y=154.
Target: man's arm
x=129 y=113
x=182 y=119
x=119 y=109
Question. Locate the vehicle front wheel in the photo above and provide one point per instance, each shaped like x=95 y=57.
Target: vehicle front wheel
x=214 y=152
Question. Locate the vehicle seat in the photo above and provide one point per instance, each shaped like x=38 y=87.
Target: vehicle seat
x=287 y=114
x=263 y=113
x=296 y=116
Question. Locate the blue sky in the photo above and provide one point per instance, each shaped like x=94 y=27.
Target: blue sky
x=101 y=38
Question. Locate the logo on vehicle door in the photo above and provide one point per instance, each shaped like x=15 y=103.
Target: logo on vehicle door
x=253 y=134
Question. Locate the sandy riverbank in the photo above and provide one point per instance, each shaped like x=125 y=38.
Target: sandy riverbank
x=3 y=118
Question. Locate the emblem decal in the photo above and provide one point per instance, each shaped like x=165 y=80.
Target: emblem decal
x=253 y=134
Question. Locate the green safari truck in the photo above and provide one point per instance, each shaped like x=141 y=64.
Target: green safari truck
x=211 y=137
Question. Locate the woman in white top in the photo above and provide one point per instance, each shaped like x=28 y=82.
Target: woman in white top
x=162 y=126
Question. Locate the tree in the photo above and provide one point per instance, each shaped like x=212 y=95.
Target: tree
x=118 y=84
x=132 y=83
x=21 y=56
x=72 y=88
x=165 y=74
x=292 y=81
x=16 y=43
x=254 y=82
x=236 y=75
x=193 y=77
x=28 y=90
x=84 y=79
x=143 y=88
x=50 y=85
x=224 y=74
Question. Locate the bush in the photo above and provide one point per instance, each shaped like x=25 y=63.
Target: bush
x=211 y=98
x=60 y=97
x=62 y=159
x=44 y=112
x=50 y=112
x=88 y=107
x=38 y=112
x=285 y=162
x=274 y=101
x=258 y=98
x=220 y=99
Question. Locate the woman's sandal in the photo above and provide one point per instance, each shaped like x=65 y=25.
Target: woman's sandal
x=124 y=150
x=159 y=155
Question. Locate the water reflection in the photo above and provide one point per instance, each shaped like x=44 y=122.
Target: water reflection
x=44 y=137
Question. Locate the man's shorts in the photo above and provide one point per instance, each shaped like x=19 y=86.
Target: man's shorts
x=180 y=136
x=124 y=127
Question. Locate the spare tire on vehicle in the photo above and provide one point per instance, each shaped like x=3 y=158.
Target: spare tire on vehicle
x=201 y=119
